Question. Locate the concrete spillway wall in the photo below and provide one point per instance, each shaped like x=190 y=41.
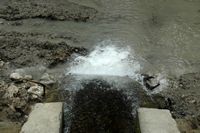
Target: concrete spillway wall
x=44 y=118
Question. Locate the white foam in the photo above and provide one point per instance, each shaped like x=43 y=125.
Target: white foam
x=107 y=59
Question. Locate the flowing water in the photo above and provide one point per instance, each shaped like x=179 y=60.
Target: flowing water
x=107 y=59
x=164 y=34
x=131 y=37
x=126 y=39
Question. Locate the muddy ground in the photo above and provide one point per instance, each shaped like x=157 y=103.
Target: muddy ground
x=23 y=44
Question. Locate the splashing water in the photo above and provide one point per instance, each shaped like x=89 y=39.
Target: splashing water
x=107 y=59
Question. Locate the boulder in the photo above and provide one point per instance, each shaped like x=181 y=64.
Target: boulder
x=16 y=76
x=18 y=103
x=28 y=77
x=2 y=63
x=36 y=91
x=11 y=91
x=47 y=79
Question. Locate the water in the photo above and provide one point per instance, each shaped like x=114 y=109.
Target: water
x=107 y=59
x=98 y=91
x=130 y=37
x=163 y=33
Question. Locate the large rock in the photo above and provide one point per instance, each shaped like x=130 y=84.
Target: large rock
x=47 y=79
x=44 y=118
x=156 y=121
x=36 y=91
x=16 y=76
x=1 y=63
x=11 y=91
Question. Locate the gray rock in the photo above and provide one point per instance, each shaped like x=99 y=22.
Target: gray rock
x=36 y=91
x=44 y=118
x=11 y=91
x=47 y=79
x=2 y=63
x=19 y=103
x=156 y=121
x=16 y=76
x=28 y=77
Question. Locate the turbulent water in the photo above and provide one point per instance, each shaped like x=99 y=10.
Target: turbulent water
x=107 y=59
x=163 y=33
x=131 y=37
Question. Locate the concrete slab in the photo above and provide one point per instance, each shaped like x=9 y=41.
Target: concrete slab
x=44 y=118
x=156 y=121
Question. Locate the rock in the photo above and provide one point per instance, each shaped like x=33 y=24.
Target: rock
x=44 y=118
x=2 y=63
x=192 y=101
x=18 y=103
x=47 y=79
x=156 y=121
x=11 y=91
x=36 y=91
x=16 y=76
x=28 y=77
x=1 y=22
